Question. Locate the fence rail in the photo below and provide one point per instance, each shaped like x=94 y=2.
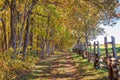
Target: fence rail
x=110 y=62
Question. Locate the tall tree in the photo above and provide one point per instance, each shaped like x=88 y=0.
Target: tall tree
x=33 y=3
x=13 y=24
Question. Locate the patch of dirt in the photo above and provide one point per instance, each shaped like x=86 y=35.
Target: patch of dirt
x=56 y=67
x=64 y=68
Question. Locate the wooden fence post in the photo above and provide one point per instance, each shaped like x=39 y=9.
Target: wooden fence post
x=110 y=72
x=94 y=47
x=113 y=46
x=90 y=48
x=98 y=48
x=96 y=55
x=89 y=51
x=106 y=47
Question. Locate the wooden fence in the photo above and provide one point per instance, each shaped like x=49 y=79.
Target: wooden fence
x=110 y=61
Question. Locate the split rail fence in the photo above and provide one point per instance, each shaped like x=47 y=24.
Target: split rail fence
x=110 y=61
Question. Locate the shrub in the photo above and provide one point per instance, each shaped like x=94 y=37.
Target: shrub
x=12 y=66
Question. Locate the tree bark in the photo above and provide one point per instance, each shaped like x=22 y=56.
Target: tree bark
x=42 y=46
x=26 y=35
x=48 y=47
x=21 y=29
x=13 y=24
x=4 y=32
x=26 y=40
x=31 y=38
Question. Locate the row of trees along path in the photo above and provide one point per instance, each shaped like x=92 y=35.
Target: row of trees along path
x=60 y=67
x=42 y=26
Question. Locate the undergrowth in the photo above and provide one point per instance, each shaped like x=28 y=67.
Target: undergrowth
x=12 y=66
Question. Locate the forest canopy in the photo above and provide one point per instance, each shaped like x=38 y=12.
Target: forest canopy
x=48 y=25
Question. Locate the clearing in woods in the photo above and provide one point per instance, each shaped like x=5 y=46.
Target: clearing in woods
x=65 y=66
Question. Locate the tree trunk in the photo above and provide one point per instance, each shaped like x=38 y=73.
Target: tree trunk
x=13 y=25
x=48 y=47
x=21 y=30
x=42 y=45
x=26 y=40
x=38 y=42
x=26 y=35
x=31 y=39
x=4 y=32
x=52 y=50
x=2 y=42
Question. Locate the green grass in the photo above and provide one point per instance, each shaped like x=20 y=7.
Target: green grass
x=87 y=71
x=102 y=50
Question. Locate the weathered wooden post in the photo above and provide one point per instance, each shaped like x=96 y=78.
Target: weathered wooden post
x=85 y=50
x=90 y=47
x=94 y=47
x=107 y=58
x=98 y=48
x=113 y=46
x=110 y=71
x=89 y=51
x=106 y=47
x=96 y=55
x=114 y=56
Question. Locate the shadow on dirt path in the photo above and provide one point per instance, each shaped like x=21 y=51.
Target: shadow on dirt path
x=64 y=66
x=56 y=67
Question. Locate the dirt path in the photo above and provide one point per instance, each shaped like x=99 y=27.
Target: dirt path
x=56 y=67
x=64 y=68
